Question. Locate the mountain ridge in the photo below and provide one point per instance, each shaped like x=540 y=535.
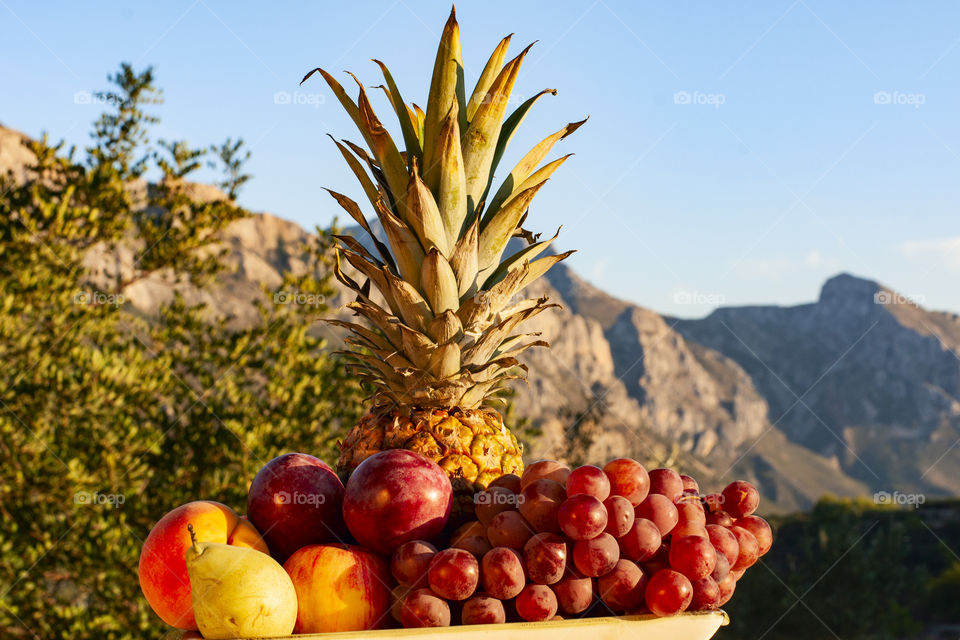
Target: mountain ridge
x=852 y=393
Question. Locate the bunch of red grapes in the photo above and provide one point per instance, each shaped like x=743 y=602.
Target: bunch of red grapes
x=585 y=542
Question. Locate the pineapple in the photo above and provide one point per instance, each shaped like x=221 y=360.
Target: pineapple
x=440 y=303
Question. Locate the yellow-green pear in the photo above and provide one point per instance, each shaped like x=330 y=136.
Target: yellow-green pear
x=239 y=592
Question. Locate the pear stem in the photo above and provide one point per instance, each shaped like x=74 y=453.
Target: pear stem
x=193 y=538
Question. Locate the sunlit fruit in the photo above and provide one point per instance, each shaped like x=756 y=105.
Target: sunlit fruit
x=296 y=500
x=595 y=557
x=760 y=529
x=540 y=502
x=622 y=587
x=339 y=588
x=582 y=517
x=536 y=602
x=454 y=574
x=724 y=542
x=692 y=556
x=641 y=542
x=423 y=608
x=509 y=529
x=740 y=498
x=545 y=555
x=549 y=469
x=620 y=515
x=660 y=510
x=628 y=478
x=589 y=480
x=668 y=593
x=410 y=562
x=502 y=573
x=483 y=609
x=574 y=593
x=749 y=549
x=706 y=594
x=395 y=496
x=666 y=482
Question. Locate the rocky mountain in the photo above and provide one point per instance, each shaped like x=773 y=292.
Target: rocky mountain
x=856 y=393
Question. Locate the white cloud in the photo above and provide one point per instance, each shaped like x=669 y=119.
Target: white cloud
x=944 y=250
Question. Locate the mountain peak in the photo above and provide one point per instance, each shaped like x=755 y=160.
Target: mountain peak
x=845 y=287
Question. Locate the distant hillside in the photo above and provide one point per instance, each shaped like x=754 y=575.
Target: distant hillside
x=848 y=395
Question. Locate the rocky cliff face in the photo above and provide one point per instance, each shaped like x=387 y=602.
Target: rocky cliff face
x=854 y=393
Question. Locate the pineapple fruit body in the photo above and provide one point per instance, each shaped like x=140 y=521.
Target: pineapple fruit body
x=472 y=445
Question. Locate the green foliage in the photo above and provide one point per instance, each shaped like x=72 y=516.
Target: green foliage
x=109 y=419
x=231 y=164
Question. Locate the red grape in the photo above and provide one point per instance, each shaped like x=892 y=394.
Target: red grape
x=424 y=608
x=493 y=501
x=642 y=542
x=539 y=503
x=509 y=529
x=574 y=594
x=629 y=479
x=622 y=587
x=740 y=498
x=550 y=469
x=668 y=592
x=749 y=548
x=721 y=518
x=667 y=483
x=724 y=542
x=722 y=567
x=688 y=529
x=503 y=573
x=410 y=562
x=713 y=502
x=760 y=529
x=397 y=595
x=689 y=484
x=536 y=602
x=597 y=556
x=467 y=529
x=483 y=609
x=620 y=515
x=590 y=480
x=693 y=556
x=737 y=574
x=726 y=586
x=509 y=481
x=477 y=545
x=454 y=574
x=659 y=510
x=582 y=517
x=691 y=511
x=706 y=594
x=660 y=560
x=546 y=558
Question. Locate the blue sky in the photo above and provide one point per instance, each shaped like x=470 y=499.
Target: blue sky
x=737 y=153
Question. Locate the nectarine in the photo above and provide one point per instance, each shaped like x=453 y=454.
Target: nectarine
x=163 y=566
x=339 y=588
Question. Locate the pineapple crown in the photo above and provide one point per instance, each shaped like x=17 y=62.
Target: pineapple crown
x=442 y=331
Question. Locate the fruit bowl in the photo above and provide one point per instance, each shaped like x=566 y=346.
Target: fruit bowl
x=686 y=626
